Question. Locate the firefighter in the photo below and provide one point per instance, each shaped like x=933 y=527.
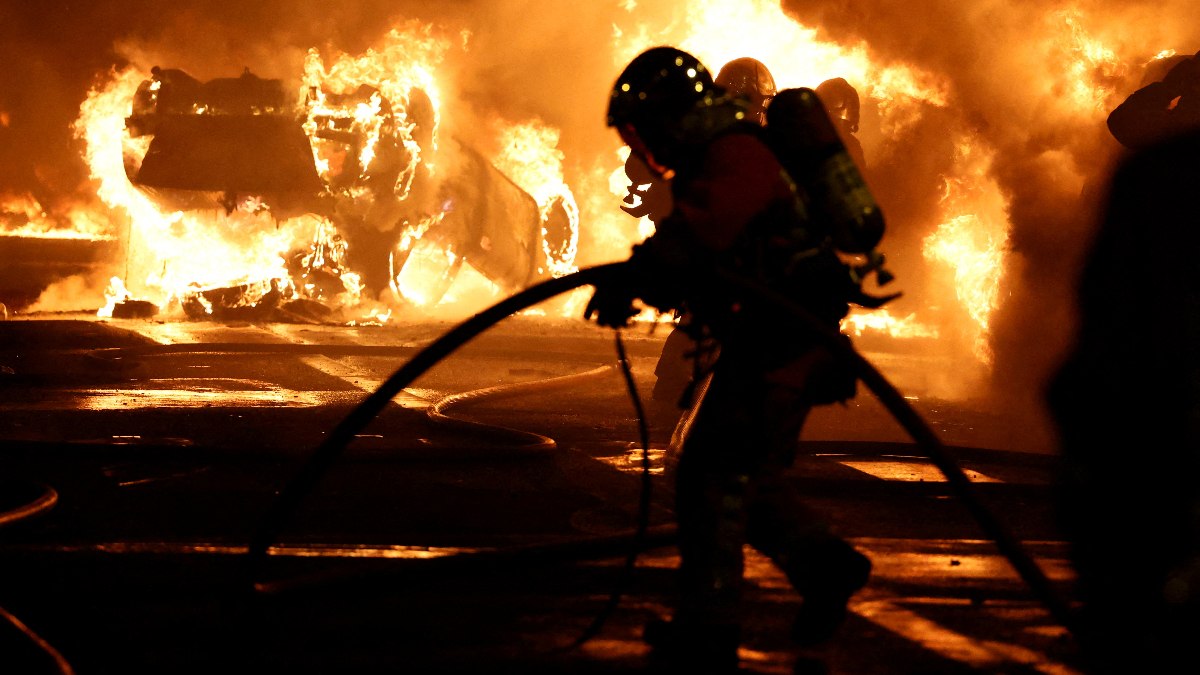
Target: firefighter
x=1126 y=404
x=682 y=354
x=649 y=195
x=733 y=210
x=842 y=102
x=1160 y=109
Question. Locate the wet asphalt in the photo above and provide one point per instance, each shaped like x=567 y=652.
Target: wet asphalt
x=490 y=540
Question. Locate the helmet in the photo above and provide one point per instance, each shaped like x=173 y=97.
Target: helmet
x=652 y=96
x=748 y=78
x=841 y=100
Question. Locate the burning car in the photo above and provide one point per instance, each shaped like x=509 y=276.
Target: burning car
x=357 y=162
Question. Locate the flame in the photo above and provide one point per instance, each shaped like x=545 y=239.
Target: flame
x=409 y=65
x=718 y=31
x=1094 y=70
x=176 y=255
x=428 y=271
x=529 y=155
x=23 y=216
x=971 y=241
x=406 y=65
x=114 y=294
x=172 y=254
x=354 y=109
x=860 y=322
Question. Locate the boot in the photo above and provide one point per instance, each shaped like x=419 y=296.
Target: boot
x=823 y=610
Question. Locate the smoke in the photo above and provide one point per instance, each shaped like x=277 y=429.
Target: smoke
x=75 y=293
x=1014 y=68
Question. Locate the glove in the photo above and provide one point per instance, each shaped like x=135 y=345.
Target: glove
x=656 y=273
x=612 y=305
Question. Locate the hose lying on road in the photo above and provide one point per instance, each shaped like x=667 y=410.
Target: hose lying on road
x=294 y=491
x=24 y=499
x=310 y=473
x=47 y=655
x=520 y=443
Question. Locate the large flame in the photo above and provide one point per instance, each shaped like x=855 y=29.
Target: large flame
x=718 y=31
x=405 y=66
x=1094 y=71
x=1080 y=64
x=971 y=241
x=350 y=107
x=173 y=254
x=529 y=155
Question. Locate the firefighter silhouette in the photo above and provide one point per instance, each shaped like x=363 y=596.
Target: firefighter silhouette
x=1127 y=406
x=750 y=80
x=682 y=355
x=732 y=199
x=1161 y=108
x=842 y=102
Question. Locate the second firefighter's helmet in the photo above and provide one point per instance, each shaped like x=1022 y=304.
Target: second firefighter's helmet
x=749 y=79
x=840 y=101
x=654 y=94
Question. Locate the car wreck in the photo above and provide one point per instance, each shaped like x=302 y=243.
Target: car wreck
x=357 y=162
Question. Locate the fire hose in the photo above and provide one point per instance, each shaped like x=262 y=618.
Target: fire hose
x=310 y=473
x=522 y=442
x=341 y=435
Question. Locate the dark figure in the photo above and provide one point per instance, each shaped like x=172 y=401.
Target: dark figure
x=1127 y=405
x=1160 y=109
x=683 y=357
x=735 y=211
x=649 y=194
x=841 y=100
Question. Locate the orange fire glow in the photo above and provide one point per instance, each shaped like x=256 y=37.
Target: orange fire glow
x=716 y=32
x=971 y=241
x=173 y=254
x=969 y=244
x=23 y=216
x=529 y=155
x=352 y=108
x=860 y=322
x=405 y=89
x=1094 y=70
x=404 y=66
